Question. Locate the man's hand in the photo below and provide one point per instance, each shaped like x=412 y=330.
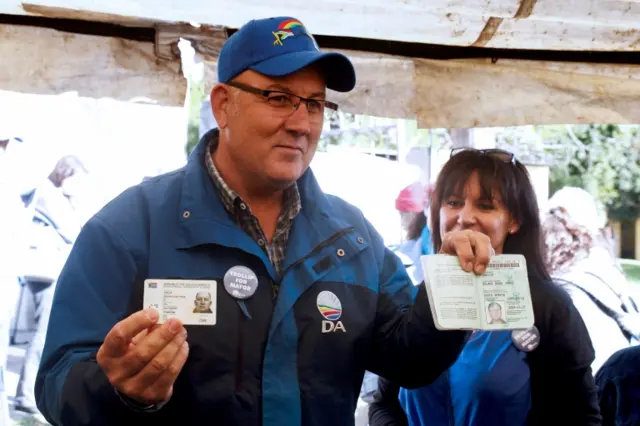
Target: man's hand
x=143 y=359
x=472 y=248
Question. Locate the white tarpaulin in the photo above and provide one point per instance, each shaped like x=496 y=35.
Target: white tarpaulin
x=439 y=93
x=522 y=24
x=477 y=93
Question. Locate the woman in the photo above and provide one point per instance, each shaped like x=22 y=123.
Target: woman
x=580 y=261
x=493 y=382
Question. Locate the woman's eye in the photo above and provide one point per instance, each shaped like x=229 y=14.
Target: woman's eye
x=454 y=203
x=486 y=206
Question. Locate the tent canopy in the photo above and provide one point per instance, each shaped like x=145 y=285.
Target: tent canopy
x=447 y=63
x=610 y=25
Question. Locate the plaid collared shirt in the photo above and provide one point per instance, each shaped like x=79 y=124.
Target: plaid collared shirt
x=240 y=211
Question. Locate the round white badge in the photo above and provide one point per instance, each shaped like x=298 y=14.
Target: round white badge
x=240 y=282
x=527 y=339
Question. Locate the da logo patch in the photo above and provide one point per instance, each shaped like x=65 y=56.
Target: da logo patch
x=330 y=308
x=329 y=305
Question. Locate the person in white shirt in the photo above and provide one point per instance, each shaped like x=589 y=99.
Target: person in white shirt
x=14 y=223
x=585 y=268
x=59 y=206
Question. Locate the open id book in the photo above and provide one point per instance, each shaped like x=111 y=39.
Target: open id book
x=499 y=299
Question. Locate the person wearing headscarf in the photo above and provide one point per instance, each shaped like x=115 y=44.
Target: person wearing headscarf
x=579 y=261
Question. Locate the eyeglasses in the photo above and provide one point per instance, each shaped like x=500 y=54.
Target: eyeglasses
x=288 y=103
x=498 y=154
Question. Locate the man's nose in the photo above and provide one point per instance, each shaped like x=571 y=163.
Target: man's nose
x=300 y=120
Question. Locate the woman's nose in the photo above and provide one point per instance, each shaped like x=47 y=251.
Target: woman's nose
x=466 y=216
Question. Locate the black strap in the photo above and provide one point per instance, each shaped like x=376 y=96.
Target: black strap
x=604 y=308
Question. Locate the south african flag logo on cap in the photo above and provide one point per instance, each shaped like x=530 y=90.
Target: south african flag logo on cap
x=288 y=28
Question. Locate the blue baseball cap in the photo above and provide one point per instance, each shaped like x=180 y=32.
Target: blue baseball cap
x=280 y=46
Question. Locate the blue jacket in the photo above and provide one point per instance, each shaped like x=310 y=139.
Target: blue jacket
x=493 y=383
x=619 y=388
x=487 y=386
x=279 y=368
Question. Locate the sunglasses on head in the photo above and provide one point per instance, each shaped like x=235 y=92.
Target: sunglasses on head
x=498 y=154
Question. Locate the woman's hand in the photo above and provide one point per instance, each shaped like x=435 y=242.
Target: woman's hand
x=472 y=248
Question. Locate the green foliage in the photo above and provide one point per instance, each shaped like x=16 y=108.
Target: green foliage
x=194 y=102
x=631 y=269
x=604 y=160
x=343 y=128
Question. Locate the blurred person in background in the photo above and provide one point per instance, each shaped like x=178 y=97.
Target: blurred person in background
x=14 y=223
x=58 y=211
x=82 y=193
x=413 y=204
x=583 y=265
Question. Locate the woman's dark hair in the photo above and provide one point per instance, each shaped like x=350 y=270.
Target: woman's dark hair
x=65 y=168
x=510 y=180
x=414 y=230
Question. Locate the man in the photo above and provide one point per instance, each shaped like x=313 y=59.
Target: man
x=495 y=313
x=307 y=295
x=203 y=303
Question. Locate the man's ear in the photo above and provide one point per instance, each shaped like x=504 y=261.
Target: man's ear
x=220 y=104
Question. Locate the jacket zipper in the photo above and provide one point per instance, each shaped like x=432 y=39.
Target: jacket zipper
x=242 y=319
x=332 y=239
x=240 y=353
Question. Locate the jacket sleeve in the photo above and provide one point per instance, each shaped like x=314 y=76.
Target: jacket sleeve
x=562 y=383
x=618 y=390
x=385 y=410
x=92 y=295
x=407 y=348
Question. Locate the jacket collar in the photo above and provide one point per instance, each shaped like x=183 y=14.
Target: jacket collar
x=203 y=219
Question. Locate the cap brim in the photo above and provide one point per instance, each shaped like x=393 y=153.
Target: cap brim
x=336 y=67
